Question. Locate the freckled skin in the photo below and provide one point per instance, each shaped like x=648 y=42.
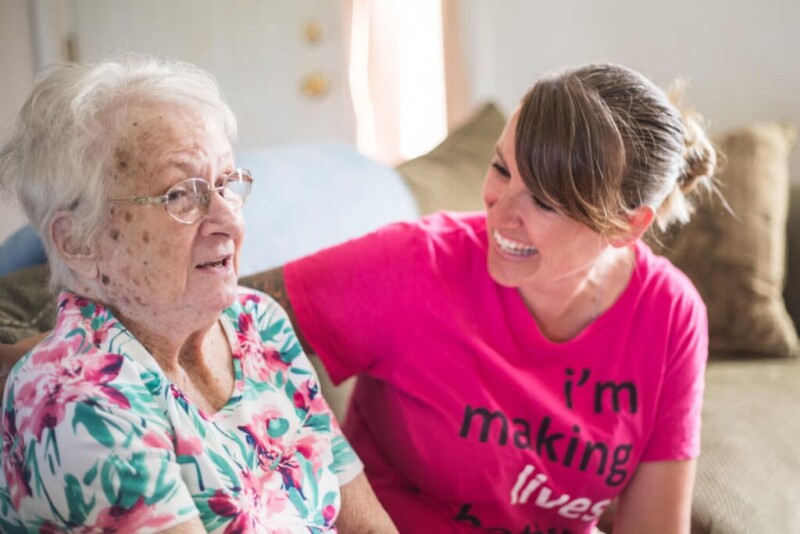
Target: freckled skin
x=150 y=260
x=121 y=156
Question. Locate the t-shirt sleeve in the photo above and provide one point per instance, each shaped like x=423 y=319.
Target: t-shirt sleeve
x=676 y=434
x=353 y=299
x=101 y=460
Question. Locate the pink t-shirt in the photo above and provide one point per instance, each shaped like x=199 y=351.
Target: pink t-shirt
x=465 y=414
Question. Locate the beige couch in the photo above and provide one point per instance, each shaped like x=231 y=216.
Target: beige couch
x=748 y=478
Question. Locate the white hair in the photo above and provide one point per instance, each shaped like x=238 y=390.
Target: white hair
x=59 y=151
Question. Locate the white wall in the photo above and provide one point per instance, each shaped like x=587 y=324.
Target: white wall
x=257 y=49
x=17 y=71
x=741 y=57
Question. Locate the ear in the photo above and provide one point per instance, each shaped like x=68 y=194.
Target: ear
x=78 y=255
x=638 y=223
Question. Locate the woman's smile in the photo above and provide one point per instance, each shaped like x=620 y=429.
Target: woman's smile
x=512 y=247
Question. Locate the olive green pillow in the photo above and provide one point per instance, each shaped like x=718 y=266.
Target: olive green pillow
x=450 y=176
x=738 y=262
x=27 y=307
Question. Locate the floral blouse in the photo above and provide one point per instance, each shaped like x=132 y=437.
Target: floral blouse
x=97 y=439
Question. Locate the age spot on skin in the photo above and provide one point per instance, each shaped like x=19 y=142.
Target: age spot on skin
x=113 y=233
x=128 y=216
x=122 y=156
x=146 y=236
x=105 y=279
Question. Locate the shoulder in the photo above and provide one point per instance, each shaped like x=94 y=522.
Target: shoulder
x=259 y=320
x=450 y=227
x=444 y=234
x=440 y=228
x=662 y=281
x=255 y=306
x=669 y=297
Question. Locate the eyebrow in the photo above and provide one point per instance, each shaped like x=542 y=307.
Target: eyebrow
x=186 y=164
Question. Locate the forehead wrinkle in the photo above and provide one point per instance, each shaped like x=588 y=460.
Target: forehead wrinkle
x=194 y=165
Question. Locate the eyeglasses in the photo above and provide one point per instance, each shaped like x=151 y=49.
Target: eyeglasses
x=188 y=201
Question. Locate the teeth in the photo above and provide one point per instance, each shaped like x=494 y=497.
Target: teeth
x=513 y=247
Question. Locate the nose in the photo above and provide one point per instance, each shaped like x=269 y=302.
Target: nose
x=222 y=217
x=502 y=202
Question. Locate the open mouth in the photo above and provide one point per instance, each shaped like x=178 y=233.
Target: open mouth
x=513 y=247
x=221 y=263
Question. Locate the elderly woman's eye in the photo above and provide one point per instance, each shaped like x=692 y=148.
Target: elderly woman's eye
x=176 y=195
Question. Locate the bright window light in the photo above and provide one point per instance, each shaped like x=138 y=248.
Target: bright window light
x=421 y=95
x=397 y=77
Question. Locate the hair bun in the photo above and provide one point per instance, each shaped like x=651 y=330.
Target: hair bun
x=700 y=156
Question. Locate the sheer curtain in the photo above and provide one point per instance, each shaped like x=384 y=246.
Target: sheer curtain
x=406 y=75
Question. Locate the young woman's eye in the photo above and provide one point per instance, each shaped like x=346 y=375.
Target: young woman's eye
x=542 y=205
x=499 y=168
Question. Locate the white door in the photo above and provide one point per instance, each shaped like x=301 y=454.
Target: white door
x=281 y=64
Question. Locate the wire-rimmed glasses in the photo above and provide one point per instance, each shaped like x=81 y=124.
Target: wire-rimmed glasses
x=188 y=201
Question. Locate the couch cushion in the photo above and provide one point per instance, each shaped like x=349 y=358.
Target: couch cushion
x=450 y=176
x=27 y=307
x=791 y=293
x=738 y=261
x=748 y=473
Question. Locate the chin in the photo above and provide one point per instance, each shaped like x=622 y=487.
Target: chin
x=223 y=298
x=506 y=273
x=500 y=275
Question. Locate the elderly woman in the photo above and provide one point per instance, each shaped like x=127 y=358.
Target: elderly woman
x=166 y=398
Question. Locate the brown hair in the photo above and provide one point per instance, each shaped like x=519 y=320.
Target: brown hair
x=598 y=141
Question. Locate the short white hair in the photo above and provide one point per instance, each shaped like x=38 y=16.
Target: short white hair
x=58 y=153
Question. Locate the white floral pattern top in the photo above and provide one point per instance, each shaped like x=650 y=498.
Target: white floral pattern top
x=97 y=439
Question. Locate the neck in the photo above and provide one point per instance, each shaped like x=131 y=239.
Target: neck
x=565 y=307
x=171 y=338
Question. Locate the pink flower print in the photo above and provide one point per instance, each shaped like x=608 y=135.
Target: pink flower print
x=308 y=397
x=313 y=447
x=249 y=297
x=299 y=400
x=139 y=516
x=223 y=504
x=264 y=360
x=81 y=302
x=246 y=326
x=188 y=445
x=156 y=440
x=49 y=528
x=329 y=514
x=275 y=454
x=17 y=471
x=253 y=508
x=100 y=335
x=83 y=378
x=56 y=348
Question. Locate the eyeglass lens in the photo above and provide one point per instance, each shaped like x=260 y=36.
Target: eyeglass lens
x=188 y=201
